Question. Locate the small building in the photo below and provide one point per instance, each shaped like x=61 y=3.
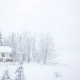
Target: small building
x=5 y=54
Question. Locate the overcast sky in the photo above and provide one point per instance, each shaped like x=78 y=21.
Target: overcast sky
x=59 y=17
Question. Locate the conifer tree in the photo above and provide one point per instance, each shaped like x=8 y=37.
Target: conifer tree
x=20 y=73
x=5 y=76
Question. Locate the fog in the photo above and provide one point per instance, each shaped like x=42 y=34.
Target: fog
x=59 y=17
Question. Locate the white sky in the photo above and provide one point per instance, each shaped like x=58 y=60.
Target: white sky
x=59 y=17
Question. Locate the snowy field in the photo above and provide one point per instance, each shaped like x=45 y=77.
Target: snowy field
x=68 y=68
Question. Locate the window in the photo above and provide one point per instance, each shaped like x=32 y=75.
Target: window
x=3 y=55
x=10 y=55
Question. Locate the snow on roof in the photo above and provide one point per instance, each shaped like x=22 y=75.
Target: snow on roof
x=5 y=49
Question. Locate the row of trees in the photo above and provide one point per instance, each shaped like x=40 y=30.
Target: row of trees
x=27 y=47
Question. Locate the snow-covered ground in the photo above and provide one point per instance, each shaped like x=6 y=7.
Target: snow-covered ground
x=69 y=68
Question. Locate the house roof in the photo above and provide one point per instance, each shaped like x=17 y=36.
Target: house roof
x=5 y=49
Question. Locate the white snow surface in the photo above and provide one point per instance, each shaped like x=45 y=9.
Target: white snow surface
x=69 y=68
x=5 y=49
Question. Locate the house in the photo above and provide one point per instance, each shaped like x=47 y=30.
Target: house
x=5 y=54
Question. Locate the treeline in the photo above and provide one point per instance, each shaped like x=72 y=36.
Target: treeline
x=27 y=47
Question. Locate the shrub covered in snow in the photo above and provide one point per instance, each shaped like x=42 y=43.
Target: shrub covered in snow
x=57 y=74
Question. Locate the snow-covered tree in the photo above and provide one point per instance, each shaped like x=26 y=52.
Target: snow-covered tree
x=26 y=41
x=46 y=48
x=24 y=46
x=6 y=76
x=30 y=48
x=8 y=41
x=13 y=45
x=18 y=48
x=5 y=42
x=33 y=48
x=20 y=73
x=1 y=39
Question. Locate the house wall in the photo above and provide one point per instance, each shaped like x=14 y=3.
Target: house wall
x=7 y=55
